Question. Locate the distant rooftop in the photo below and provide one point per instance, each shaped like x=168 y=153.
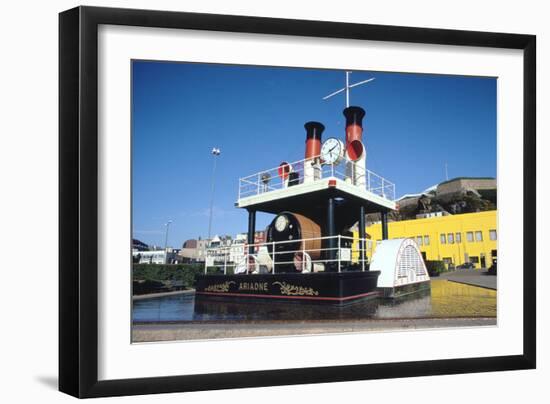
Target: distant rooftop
x=426 y=191
x=433 y=188
x=467 y=178
x=190 y=244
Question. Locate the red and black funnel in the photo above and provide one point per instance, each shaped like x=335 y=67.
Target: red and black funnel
x=354 y=131
x=314 y=131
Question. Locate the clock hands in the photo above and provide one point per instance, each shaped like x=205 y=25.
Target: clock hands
x=331 y=150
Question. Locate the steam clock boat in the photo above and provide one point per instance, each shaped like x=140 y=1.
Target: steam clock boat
x=310 y=253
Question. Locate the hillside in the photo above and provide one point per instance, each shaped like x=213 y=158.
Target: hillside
x=456 y=196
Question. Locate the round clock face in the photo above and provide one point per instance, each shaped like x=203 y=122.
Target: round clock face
x=281 y=223
x=332 y=151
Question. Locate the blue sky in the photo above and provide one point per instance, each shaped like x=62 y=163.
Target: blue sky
x=414 y=124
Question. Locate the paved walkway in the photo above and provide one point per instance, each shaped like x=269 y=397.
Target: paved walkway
x=190 y=331
x=474 y=277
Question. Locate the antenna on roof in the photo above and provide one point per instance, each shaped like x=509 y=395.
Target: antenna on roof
x=347 y=88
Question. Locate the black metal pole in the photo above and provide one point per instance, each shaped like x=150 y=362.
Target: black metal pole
x=362 y=234
x=384 y=225
x=331 y=230
x=251 y=230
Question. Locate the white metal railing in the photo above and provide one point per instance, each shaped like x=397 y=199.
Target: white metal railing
x=312 y=170
x=347 y=251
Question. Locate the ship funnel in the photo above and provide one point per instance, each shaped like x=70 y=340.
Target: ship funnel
x=356 y=170
x=354 y=131
x=312 y=166
x=314 y=131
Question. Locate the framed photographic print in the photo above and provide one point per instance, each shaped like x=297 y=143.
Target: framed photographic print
x=251 y=201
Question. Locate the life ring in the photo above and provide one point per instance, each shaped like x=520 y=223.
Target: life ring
x=284 y=170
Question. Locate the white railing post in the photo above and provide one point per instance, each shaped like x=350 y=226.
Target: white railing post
x=225 y=263
x=303 y=256
x=339 y=252
x=368 y=180
x=332 y=170
x=246 y=259
x=252 y=266
x=273 y=246
x=364 y=253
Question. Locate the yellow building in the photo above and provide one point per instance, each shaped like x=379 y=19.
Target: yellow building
x=455 y=239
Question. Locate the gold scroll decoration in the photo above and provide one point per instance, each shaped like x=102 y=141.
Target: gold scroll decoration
x=219 y=287
x=294 y=290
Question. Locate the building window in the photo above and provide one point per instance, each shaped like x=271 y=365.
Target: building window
x=419 y=240
x=479 y=236
x=458 y=237
x=493 y=234
x=474 y=260
x=470 y=236
x=451 y=238
x=426 y=240
x=443 y=239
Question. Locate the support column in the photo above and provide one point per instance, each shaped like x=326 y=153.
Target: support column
x=384 y=225
x=251 y=230
x=331 y=232
x=362 y=234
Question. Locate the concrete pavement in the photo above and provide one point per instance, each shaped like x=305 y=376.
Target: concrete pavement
x=474 y=277
x=194 y=331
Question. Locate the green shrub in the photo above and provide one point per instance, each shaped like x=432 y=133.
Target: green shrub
x=183 y=274
x=435 y=267
x=144 y=287
x=218 y=270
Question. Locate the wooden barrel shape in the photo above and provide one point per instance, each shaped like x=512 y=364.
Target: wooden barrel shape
x=288 y=226
x=310 y=229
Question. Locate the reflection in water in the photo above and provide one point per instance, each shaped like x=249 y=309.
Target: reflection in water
x=451 y=299
x=446 y=299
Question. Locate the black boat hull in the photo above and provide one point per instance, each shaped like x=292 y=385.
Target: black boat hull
x=318 y=287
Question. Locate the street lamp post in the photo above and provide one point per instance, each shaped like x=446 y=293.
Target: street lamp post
x=215 y=152
x=167 y=224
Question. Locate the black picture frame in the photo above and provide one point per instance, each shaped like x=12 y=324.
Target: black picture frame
x=78 y=196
